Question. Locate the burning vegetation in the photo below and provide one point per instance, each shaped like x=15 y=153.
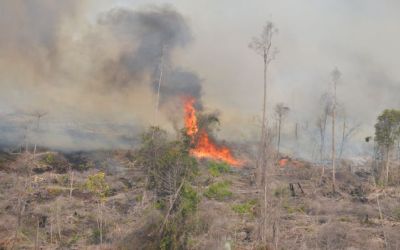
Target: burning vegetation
x=203 y=145
x=59 y=191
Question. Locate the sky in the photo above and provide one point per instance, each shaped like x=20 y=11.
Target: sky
x=54 y=56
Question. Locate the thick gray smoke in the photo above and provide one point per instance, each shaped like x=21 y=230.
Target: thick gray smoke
x=148 y=39
x=94 y=80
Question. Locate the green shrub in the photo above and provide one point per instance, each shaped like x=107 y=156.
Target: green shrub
x=97 y=184
x=95 y=236
x=189 y=200
x=218 y=191
x=217 y=168
x=49 y=159
x=245 y=208
x=159 y=204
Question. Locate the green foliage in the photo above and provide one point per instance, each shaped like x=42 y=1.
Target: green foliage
x=49 y=159
x=159 y=204
x=245 y=208
x=95 y=236
x=97 y=184
x=217 y=168
x=387 y=129
x=189 y=200
x=167 y=165
x=219 y=191
x=166 y=243
x=166 y=162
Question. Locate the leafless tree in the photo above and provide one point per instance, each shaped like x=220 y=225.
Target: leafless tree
x=322 y=121
x=347 y=133
x=160 y=80
x=335 y=78
x=280 y=111
x=38 y=115
x=262 y=45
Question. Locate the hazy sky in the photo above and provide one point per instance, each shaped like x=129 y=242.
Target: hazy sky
x=358 y=37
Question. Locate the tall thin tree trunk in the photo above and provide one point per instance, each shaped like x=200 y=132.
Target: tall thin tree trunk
x=264 y=147
x=387 y=163
x=159 y=86
x=343 y=139
x=58 y=220
x=333 y=141
x=71 y=184
x=261 y=150
x=279 y=133
x=101 y=223
x=37 y=235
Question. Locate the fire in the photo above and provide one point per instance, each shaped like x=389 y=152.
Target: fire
x=190 y=118
x=283 y=162
x=204 y=147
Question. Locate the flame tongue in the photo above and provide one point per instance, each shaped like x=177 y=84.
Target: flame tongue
x=204 y=147
x=190 y=118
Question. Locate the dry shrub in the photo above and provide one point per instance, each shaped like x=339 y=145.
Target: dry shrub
x=332 y=236
x=145 y=236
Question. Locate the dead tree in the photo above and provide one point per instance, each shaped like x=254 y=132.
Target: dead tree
x=280 y=111
x=38 y=115
x=262 y=45
x=347 y=133
x=322 y=121
x=335 y=78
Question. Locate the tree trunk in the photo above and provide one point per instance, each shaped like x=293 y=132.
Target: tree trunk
x=279 y=133
x=387 y=164
x=261 y=151
x=333 y=142
x=71 y=184
x=37 y=235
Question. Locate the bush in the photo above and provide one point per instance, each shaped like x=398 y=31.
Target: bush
x=189 y=200
x=49 y=159
x=217 y=168
x=219 y=191
x=97 y=185
x=166 y=162
x=245 y=208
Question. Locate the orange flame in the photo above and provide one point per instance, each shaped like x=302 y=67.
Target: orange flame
x=283 y=162
x=190 y=118
x=204 y=146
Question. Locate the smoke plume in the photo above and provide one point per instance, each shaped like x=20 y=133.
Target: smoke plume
x=95 y=80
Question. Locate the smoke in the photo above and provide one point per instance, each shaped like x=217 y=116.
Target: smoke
x=147 y=40
x=96 y=80
x=143 y=37
x=30 y=31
